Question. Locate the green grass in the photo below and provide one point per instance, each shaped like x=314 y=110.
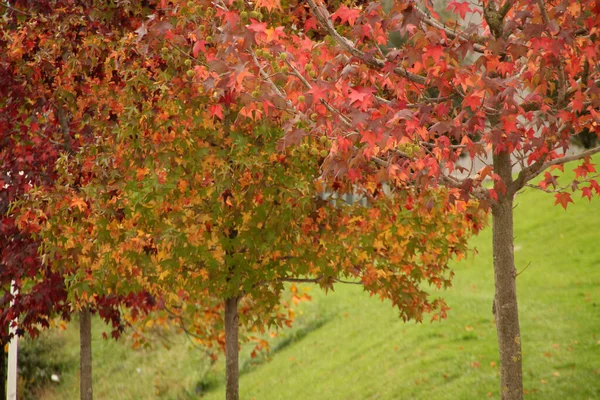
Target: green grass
x=347 y=345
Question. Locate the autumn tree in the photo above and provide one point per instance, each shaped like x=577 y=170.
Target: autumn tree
x=215 y=216
x=402 y=94
x=47 y=109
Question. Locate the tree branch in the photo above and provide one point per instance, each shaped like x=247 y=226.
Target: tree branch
x=505 y=8
x=573 y=157
x=527 y=174
x=539 y=166
x=324 y=20
x=317 y=280
x=477 y=41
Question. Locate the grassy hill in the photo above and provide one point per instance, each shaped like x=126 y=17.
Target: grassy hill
x=347 y=345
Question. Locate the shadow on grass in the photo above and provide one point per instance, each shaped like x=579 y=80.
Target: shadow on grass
x=212 y=382
x=280 y=345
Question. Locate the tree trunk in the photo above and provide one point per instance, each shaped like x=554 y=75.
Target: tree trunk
x=85 y=354
x=3 y=370
x=232 y=348
x=505 y=301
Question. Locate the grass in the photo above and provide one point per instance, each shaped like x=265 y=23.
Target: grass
x=347 y=345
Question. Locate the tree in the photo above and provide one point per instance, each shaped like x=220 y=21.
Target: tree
x=192 y=195
x=518 y=83
x=213 y=218
x=46 y=110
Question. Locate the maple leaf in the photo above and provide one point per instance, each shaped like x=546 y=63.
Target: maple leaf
x=587 y=192
x=583 y=170
x=274 y=34
x=473 y=101
x=435 y=52
x=346 y=15
x=256 y=26
x=199 y=46
x=462 y=8
x=318 y=92
x=363 y=95
x=310 y=23
x=216 y=110
x=141 y=31
x=79 y=203
x=563 y=199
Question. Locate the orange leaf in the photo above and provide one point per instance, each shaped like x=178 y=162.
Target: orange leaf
x=563 y=199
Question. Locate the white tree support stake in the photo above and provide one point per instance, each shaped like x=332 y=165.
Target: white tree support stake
x=11 y=393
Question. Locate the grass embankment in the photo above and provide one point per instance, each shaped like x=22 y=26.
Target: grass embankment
x=351 y=346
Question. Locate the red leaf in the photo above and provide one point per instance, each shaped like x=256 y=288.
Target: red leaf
x=362 y=95
x=354 y=174
x=563 y=199
x=473 y=101
x=310 y=23
x=346 y=14
x=584 y=169
x=216 y=110
x=258 y=27
x=318 y=93
x=199 y=46
x=462 y=8
x=269 y=4
x=435 y=52
x=587 y=192
x=594 y=185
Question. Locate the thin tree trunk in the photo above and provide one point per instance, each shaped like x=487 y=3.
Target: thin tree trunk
x=85 y=354
x=505 y=301
x=231 y=348
x=3 y=370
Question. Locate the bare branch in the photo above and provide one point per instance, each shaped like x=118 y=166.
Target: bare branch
x=268 y=79
x=527 y=174
x=8 y=7
x=480 y=192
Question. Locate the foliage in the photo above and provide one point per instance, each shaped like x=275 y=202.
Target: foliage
x=185 y=190
x=47 y=109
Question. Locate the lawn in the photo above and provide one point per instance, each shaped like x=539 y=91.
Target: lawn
x=347 y=345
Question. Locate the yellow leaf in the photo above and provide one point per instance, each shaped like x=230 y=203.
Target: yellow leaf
x=79 y=203
x=378 y=245
x=163 y=275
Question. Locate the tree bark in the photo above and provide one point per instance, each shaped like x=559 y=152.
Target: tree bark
x=85 y=354
x=505 y=301
x=232 y=348
x=3 y=370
